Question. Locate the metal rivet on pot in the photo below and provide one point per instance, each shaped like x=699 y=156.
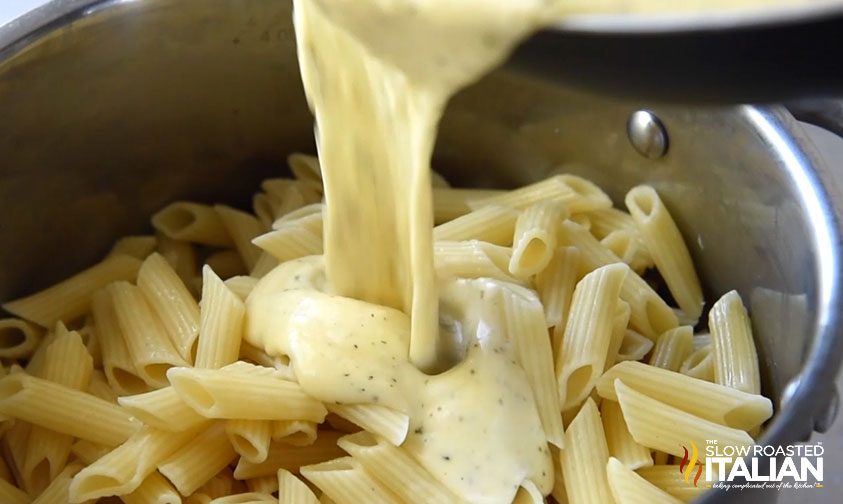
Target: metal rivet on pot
x=647 y=134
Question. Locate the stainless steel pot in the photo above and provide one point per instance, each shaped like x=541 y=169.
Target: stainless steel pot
x=108 y=110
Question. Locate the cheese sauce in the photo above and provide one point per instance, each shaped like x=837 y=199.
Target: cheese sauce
x=362 y=323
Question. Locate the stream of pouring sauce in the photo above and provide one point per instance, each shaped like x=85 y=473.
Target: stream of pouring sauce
x=359 y=323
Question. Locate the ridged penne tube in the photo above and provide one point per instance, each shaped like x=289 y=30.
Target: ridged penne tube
x=619 y=328
x=582 y=220
x=18 y=338
x=172 y=302
x=155 y=489
x=265 y=484
x=345 y=480
x=585 y=457
x=67 y=363
x=630 y=488
x=123 y=469
x=670 y=479
x=472 y=259
x=387 y=423
x=192 y=222
x=220 y=325
x=311 y=216
x=558 y=491
x=151 y=349
x=619 y=440
x=667 y=247
x=290 y=242
x=245 y=498
x=294 y=432
x=226 y=264
x=650 y=316
x=450 y=203
x=181 y=256
x=250 y=438
x=196 y=462
x=702 y=340
x=88 y=452
x=672 y=348
x=59 y=408
x=625 y=244
x=525 y=326
x=240 y=285
x=162 y=409
x=605 y=221
x=58 y=490
x=634 y=346
x=306 y=169
x=293 y=490
x=700 y=364
x=244 y=393
x=135 y=246
x=534 y=239
x=735 y=358
x=576 y=193
x=242 y=228
x=36 y=360
x=5 y=471
x=10 y=494
x=588 y=333
x=492 y=224
x=710 y=401
x=555 y=286
x=117 y=362
x=395 y=469
x=14 y=446
x=662 y=427
x=71 y=298
x=265 y=264
x=291 y=457
x=266 y=208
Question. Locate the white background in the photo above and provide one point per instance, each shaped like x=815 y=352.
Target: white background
x=832 y=149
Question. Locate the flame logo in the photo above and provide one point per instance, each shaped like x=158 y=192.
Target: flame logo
x=691 y=462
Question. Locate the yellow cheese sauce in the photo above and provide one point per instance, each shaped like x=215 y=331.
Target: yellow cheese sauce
x=367 y=323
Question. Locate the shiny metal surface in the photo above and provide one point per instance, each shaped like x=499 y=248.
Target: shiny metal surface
x=116 y=108
x=647 y=134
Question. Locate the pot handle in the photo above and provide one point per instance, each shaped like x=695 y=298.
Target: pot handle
x=827 y=113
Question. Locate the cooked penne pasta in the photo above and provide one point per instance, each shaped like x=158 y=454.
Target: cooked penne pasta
x=71 y=298
x=606 y=221
x=226 y=264
x=57 y=492
x=59 y=408
x=558 y=491
x=290 y=241
x=18 y=338
x=672 y=348
x=630 y=488
x=10 y=494
x=345 y=480
x=288 y=457
x=472 y=259
x=220 y=325
x=525 y=325
x=395 y=469
x=242 y=228
x=123 y=469
x=245 y=498
x=306 y=169
x=384 y=422
x=700 y=364
x=670 y=479
x=576 y=193
x=311 y=216
x=294 y=432
x=162 y=409
x=662 y=427
x=116 y=360
x=245 y=393
x=88 y=452
x=626 y=245
x=534 y=240
x=181 y=256
x=172 y=302
x=293 y=490
x=192 y=222
x=702 y=340
x=555 y=286
x=155 y=489
x=151 y=349
x=134 y=246
x=265 y=264
x=634 y=347
x=240 y=285
x=197 y=461
x=265 y=485
x=665 y=244
x=585 y=457
x=250 y=438
x=449 y=203
x=618 y=439
x=99 y=387
x=588 y=333
x=735 y=358
x=14 y=447
x=619 y=329
x=493 y=224
x=710 y=401
x=650 y=315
